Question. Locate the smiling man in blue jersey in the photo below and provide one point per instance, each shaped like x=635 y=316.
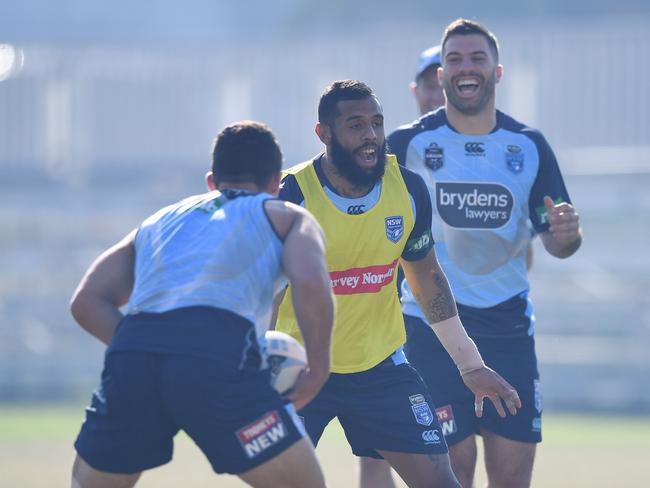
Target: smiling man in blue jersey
x=490 y=178
x=376 y=214
x=198 y=279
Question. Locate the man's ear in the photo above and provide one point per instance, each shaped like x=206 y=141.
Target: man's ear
x=273 y=186
x=209 y=179
x=324 y=133
x=499 y=72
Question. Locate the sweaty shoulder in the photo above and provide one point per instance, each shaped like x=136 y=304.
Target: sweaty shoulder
x=399 y=139
x=281 y=214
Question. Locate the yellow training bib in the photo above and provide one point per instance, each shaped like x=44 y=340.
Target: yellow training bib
x=362 y=256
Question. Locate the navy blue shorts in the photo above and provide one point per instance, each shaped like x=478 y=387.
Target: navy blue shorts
x=228 y=408
x=384 y=408
x=512 y=358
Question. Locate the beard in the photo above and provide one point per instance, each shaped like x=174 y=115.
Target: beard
x=344 y=161
x=470 y=107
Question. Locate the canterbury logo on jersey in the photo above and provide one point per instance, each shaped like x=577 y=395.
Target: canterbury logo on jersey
x=475 y=148
x=356 y=209
x=370 y=279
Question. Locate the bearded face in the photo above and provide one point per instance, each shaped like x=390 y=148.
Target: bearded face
x=470 y=92
x=346 y=161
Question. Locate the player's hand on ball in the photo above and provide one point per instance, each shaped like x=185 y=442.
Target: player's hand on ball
x=485 y=382
x=307 y=387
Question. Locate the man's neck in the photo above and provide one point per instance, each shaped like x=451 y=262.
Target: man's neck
x=242 y=187
x=480 y=124
x=341 y=184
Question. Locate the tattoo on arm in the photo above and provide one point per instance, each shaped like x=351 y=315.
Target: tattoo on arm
x=441 y=306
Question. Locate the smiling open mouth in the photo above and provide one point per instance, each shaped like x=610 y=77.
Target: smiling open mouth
x=368 y=154
x=467 y=86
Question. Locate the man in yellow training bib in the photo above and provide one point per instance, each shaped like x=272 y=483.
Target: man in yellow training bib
x=376 y=215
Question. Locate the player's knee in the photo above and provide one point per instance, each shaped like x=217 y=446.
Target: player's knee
x=505 y=477
x=463 y=461
x=375 y=473
x=449 y=481
x=443 y=476
x=80 y=473
x=372 y=465
x=314 y=481
x=464 y=471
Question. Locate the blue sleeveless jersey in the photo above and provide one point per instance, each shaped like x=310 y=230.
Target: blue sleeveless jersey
x=487 y=193
x=213 y=250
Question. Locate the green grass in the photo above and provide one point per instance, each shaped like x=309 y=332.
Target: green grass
x=578 y=451
x=612 y=430
x=39 y=423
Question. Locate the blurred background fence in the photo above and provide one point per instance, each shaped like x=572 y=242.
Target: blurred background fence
x=95 y=136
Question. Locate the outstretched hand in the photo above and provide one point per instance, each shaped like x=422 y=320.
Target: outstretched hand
x=485 y=382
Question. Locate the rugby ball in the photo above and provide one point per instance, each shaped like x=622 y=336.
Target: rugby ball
x=286 y=358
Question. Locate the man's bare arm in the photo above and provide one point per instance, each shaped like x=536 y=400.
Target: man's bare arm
x=430 y=288
x=305 y=266
x=105 y=287
x=432 y=292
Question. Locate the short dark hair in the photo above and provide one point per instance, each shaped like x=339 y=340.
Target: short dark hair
x=339 y=91
x=244 y=152
x=466 y=27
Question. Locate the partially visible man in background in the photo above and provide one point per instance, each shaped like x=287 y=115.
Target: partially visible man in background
x=490 y=178
x=426 y=88
x=199 y=278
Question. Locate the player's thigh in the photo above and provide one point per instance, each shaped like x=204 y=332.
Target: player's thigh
x=388 y=408
x=454 y=402
x=234 y=416
x=422 y=470
x=508 y=463
x=127 y=429
x=85 y=476
x=296 y=467
x=375 y=473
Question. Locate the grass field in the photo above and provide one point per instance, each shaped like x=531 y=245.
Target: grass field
x=578 y=451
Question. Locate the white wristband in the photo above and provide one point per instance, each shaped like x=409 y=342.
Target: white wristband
x=458 y=344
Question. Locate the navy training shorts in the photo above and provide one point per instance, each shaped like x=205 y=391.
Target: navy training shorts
x=214 y=391
x=513 y=358
x=386 y=408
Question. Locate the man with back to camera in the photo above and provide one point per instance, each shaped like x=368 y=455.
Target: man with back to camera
x=490 y=177
x=199 y=278
x=375 y=214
